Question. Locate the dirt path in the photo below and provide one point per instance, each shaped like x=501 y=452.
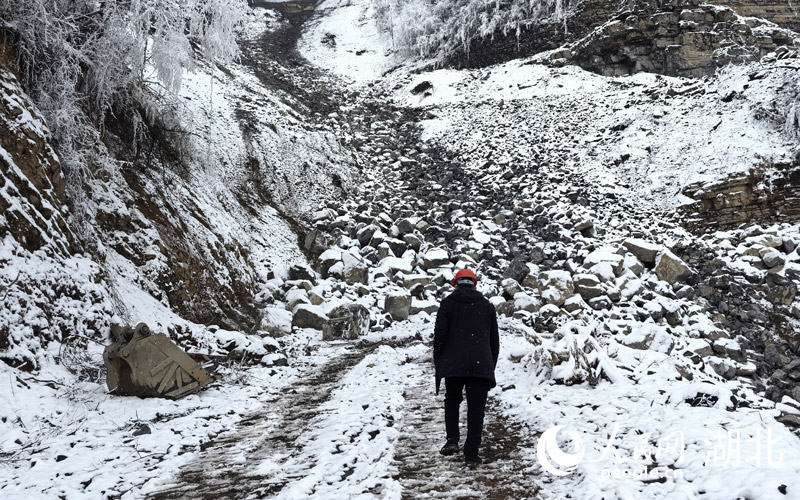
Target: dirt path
x=424 y=473
x=224 y=469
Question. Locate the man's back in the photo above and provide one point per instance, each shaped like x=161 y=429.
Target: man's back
x=466 y=340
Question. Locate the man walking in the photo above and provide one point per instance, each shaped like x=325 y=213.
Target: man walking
x=465 y=349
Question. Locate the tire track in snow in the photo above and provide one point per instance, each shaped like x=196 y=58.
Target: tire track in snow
x=424 y=473
x=225 y=467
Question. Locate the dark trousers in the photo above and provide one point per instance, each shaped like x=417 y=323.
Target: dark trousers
x=477 y=391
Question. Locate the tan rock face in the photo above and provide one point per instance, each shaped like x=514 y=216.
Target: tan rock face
x=780 y=12
x=766 y=194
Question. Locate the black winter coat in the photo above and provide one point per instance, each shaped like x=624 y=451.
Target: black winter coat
x=466 y=342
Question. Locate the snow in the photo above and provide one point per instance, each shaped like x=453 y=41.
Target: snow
x=345 y=39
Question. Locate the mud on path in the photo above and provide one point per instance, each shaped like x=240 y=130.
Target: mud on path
x=424 y=473
x=224 y=467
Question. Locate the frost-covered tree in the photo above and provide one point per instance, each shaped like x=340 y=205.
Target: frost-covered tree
x=83 y=60
x=439 y=28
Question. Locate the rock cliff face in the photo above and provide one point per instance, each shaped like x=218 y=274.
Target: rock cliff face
x=782 y=13
x=681 y=38
x=768 y=194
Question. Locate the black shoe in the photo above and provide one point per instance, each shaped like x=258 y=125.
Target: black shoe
x=473 y=461
x=450 y=447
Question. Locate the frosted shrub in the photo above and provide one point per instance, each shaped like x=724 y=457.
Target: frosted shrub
x=438 y=29
x=82 y=60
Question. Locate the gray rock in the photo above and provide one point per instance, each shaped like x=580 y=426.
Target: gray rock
x=404 y=226
x=411 y=280
x=782 y=295
x=308 y=316
x=398 y=306
x=746 y=370
x=435 y=258
x=517 y=270
x=796 y=393
x=506 y=308
x=731 y=349
x=790 y=420
x=537 y=255
x=772 y=257
x=670 y=268
x=277 y=321
x=585 y=227
x=510 y=288
x=298 y=272
x=412 y=241
x=555 y=287
x=573 y=304
x=587 y=285
x=142 y=430
x=723 y=368
x=418 y=306
x=774 y=356
x=599 y=303
x=348 y=321
x=364 y=236
x=643 y=250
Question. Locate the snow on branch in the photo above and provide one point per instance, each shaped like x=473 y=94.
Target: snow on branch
x=427 y=28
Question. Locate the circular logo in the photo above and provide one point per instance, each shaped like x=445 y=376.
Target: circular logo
x=547 y=449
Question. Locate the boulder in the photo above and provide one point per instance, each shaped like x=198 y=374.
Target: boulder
x=412 y=241
x=723 y=367
x=574 y=303
x=355 y=270
x=510 y=288
x=633 y=264
x=435 y=258
x=605 y=255
x=428 y=306
x=517 y=270
x=276 y=321
x=327 y=260
x=643 y=250
x=308 y=316
x=772 y=257
x=600 y=303
x=411 y=280
x=295 y=297
x=299 y=272
x=729 y=348
x=555 y=287
x=765 y=240
x=398 y=306
x=670 y=268
x=537 y=255
x=348 y=321
x=524 y=302
x=404 y=226
x=365 y=234
x=587 y=285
